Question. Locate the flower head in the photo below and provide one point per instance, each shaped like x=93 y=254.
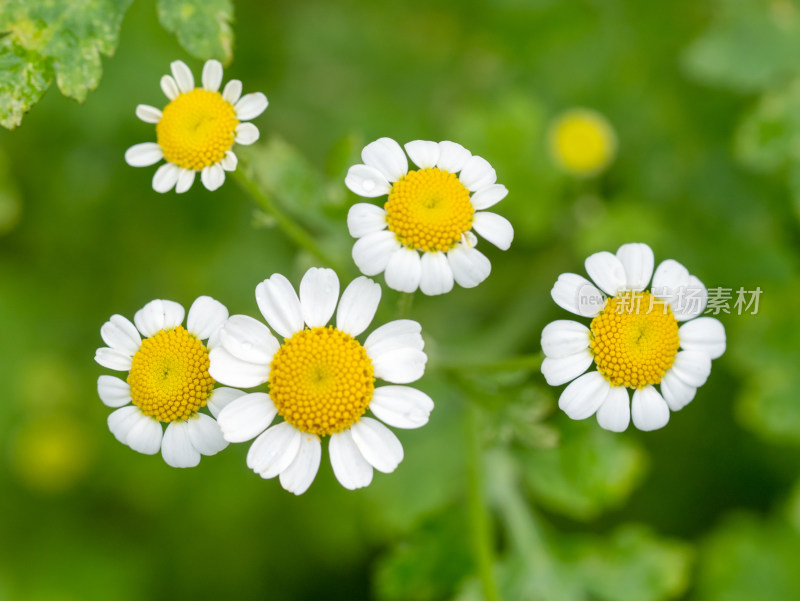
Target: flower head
x=196 y=131
x=321 y=381
x=637 y=338
x=168 y=380
x=582 y=142
x=422 y=236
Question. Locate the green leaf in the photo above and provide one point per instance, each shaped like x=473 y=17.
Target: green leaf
x=202 y=26
x=43 y=39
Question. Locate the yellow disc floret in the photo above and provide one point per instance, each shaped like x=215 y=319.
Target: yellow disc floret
x=169 y=377
x=583 y=142
x=634 y=340
x=197 y=129
x=321 y=381
x=429 y=210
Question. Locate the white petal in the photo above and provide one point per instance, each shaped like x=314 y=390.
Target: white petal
x=564 y=337
x=166 y=177
x=144 y=154
x=693 y=367
x=274 y=450
x=704 y=334
x=121 y=421
x=424 y=154
x=452 y=156
x=170 y=87
x=232 y=91
x=400 y=366
x=112 y=359
x=183 y=76
x=691 y=301
x=212 y=75
x=615 y=412
x=121 y=335
x=371 y=253
x=148 y=114
x=403 y=271
x=145 y=436
x=558 y=371
x=250 y=106
x=212 y=176
x=246 y=134
x=495 y=228
x=206 y=316
x=229 y=161
x=365 y=218
x=185 y=180
x=301 y=472
x=477 y=174
x=205 y=434
x=279 y=305
x=246 y=417
x=670 y=276
x=577 y=295
x=349 y=465
x=366 y=181
x=378 y=444
x=676 y=392
x=607 y=272
x=584 y=396
x=488 y=196
x=227 y=369
x=401 y=406
x=637 y=259
x=177 y=448
x=470 y=266
x=113 y=391
x=319 y=291
x=358 y=305
x=436 y=277
x=221 y=397
x=248 y=339
x=648 y=409
x=392 y=336
x=158 y=315
x=386 y=156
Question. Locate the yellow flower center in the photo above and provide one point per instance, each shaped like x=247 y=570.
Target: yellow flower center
x=321 y=380
x=169 y=375
x=634 y=340
x=583 y=142
x=429 y=210
x=196 y=129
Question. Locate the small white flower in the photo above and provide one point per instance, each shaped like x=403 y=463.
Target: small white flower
x=431 y=211
x=197 y=129
x=635 y=339
x=321 y=381
x=168 y=380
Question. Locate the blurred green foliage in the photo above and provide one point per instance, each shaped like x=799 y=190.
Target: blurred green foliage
x=703 y=97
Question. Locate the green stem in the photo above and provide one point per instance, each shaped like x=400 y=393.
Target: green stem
x=478 y=513
x=404 y=304
x=529 y=362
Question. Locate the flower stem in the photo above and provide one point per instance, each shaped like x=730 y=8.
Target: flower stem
x=478 y=513
x=404 y=304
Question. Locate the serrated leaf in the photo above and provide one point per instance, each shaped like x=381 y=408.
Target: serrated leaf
x=45 y=39
x=202 y=26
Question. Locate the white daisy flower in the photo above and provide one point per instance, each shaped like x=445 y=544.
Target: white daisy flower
x=638 y=339
x=422 y=236
x=321 y=381
x=168 y=380
x=196 y=131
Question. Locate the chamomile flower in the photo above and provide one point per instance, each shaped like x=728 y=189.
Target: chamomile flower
x=422 y=236
x=321 y=381
x=196 y=131
x=582 y=142
x=638 y=339
x=168 y=380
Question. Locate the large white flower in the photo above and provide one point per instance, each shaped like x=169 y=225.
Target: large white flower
x=196 y=131
x=168 y=380
x=321 y=381
x=422 y=236
x=637 y=338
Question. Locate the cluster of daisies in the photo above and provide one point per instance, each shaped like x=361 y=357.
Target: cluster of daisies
x=308 y=374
